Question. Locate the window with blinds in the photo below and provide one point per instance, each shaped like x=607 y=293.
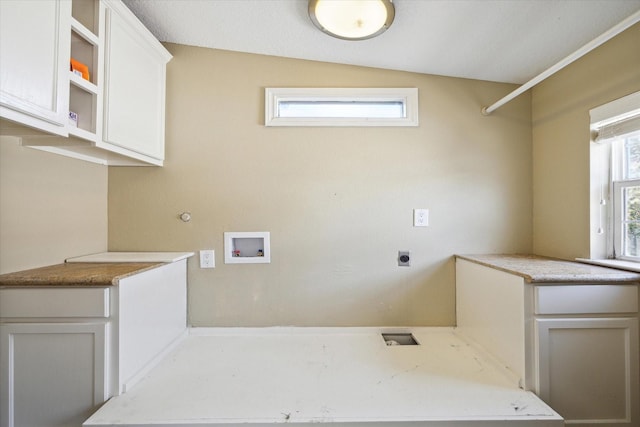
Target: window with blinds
x=617 y=125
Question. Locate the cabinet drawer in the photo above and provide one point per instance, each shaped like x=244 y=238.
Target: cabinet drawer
x=586 y=299
x=54 y=302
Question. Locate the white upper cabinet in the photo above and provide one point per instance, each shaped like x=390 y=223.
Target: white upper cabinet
x=134 y=87
x=118 y=103
x=34 y=58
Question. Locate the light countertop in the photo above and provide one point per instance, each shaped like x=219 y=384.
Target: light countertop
x=132 y=257
x=331 y=376
x=538 y=269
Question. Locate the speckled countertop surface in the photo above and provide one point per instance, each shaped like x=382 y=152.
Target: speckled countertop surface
x=537 y=269
x=81 y=274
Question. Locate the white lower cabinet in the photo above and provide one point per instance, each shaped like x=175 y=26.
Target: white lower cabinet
x=573 y=344
x=52 y=374
x=66 y=350
x=588 y=369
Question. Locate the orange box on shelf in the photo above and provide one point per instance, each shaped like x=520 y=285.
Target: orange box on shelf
x=79 y=68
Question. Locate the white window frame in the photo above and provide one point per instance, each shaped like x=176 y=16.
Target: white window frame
x=608 y=123
x=618 y=218
x=408 y=96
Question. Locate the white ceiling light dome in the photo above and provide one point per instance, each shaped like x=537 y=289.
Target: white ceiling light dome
x=352 y=19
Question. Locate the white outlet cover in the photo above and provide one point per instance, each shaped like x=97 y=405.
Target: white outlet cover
x=207 y=258
x=421 y=217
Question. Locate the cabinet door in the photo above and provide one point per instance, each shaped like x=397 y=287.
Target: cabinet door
x=51 y=374
x=134 y=91
x=34 y=63
x=588 y=369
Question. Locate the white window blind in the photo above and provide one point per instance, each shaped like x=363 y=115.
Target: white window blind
x=616 y=119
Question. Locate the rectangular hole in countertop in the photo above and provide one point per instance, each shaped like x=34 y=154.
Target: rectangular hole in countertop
x=392 y=339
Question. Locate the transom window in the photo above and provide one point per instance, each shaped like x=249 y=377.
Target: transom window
x=341 y=107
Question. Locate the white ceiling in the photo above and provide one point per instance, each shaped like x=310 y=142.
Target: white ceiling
x=497 y=40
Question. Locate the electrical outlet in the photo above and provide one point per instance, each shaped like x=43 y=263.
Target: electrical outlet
x=207 y=258
x=404 y=258
x=421 y=217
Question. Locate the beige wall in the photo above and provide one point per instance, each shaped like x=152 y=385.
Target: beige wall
x=337 y=201
x=560 y=116
x=51 y=207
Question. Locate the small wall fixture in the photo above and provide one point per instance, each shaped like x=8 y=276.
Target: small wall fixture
x=352 y=19
x=247 y=247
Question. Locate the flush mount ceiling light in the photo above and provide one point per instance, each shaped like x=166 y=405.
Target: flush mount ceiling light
x=352 y=19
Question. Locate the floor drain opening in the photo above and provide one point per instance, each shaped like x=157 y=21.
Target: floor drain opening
x=399 y=339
